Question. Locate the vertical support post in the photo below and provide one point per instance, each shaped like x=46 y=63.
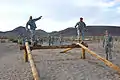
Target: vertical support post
x=25 y=55
x=83 y=53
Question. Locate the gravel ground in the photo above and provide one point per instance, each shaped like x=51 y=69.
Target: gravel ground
x=12 y=66
x=53 y=65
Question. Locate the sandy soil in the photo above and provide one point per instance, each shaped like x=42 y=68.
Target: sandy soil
x=12 y=66
x=53 y=65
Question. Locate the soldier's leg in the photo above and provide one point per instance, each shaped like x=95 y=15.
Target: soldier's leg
x=106 y=51
x=49 y=42
x=52 y=41
x=82 y=34
x=60 y=40
x=78 y=34
x=110 y=53
x=31 y=36
x=41 y=41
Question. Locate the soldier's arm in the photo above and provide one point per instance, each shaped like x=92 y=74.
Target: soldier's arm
x=76 y=24
x=37 y=18
x=27 y=25
x=85 y=26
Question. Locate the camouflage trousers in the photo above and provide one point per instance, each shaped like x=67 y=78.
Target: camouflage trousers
x=108 y=51
x=32 y=37
x=80 y=33
x=51 y=42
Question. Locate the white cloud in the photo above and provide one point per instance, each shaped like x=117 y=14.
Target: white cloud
x=58 y=14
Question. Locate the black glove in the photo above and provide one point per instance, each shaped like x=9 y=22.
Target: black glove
x=40 y=16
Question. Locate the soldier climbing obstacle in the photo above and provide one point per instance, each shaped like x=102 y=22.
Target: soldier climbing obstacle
x=32 y=25
x=108 y=44
x=81 y=29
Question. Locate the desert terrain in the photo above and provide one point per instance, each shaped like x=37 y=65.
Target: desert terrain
x=53 y=65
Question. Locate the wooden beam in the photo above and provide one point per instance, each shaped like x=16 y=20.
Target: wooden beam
x=110 y=64
x=32 y=64
x=51 y=47
x=66 y=50
x=25 y=55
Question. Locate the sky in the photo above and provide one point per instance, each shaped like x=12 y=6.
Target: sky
x=58 y=14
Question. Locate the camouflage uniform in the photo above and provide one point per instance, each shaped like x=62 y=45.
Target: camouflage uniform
x=60 y=40
x=108 y=44
x=52 y=40
x=49 y=40
x=32 y=25
x=80 y=29
x=41 y=41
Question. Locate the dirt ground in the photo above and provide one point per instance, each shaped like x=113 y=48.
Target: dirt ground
x=12 y=66
x=53 y=65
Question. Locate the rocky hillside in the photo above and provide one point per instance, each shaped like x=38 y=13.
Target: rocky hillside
x=92 y=31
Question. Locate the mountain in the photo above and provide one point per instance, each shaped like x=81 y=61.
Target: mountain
x=66 y=32
x=21 y=31
x=92 y=31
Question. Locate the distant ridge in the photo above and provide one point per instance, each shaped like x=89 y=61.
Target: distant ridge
x=70 y=31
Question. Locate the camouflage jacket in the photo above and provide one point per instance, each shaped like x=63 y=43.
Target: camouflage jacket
x=81 y=25
x=108 y=41
x=32 y=24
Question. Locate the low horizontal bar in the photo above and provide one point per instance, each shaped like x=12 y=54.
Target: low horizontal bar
x=51 y=47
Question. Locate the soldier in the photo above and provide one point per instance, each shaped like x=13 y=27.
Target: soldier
x=60 y=39
x=52 y=40
x=41 y=41
x=80 y=29
x=108 y=44
x=32 y=25
x=49 y=40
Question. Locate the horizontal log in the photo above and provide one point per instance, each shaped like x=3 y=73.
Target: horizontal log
x=51 y=47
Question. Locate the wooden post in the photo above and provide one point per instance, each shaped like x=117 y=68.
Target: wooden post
x=25 y=55
x=83 y=53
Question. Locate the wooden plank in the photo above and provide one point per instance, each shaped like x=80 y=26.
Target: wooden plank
x=32 y=64
x=110 y=64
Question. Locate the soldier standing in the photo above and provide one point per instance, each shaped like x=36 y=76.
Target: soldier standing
x=32 y=25
x=49 y=40
x=52 y=40
x=60 y=39
x=80 y=29
x=108 y=44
